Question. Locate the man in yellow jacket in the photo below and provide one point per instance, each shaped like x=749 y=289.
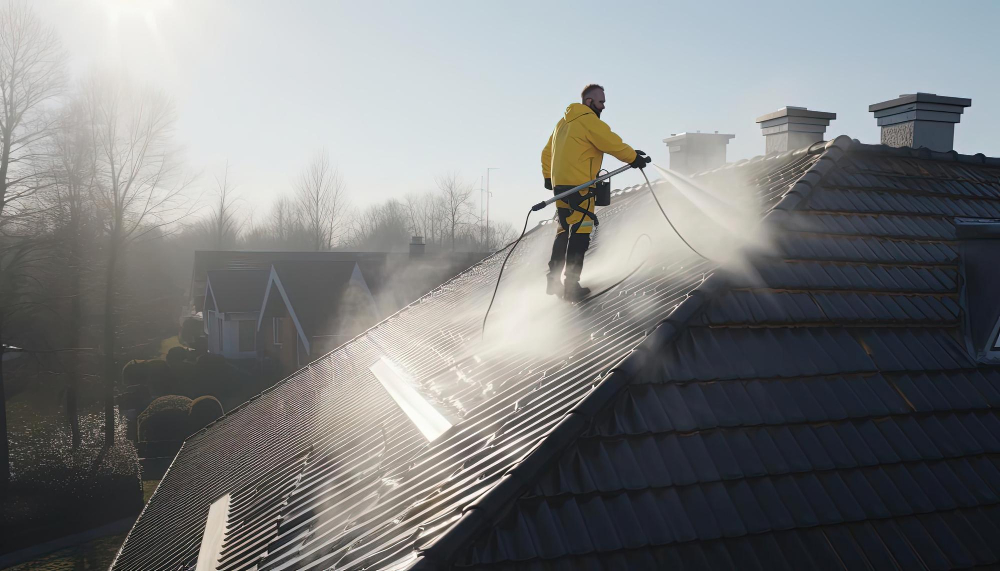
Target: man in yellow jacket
x=572 y=157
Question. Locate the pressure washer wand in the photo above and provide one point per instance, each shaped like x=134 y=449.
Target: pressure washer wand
x=563 y=195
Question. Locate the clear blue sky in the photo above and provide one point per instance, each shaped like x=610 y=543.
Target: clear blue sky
x=401 y=91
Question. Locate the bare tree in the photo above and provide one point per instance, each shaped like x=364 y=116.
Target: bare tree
x=224 y=225
x=321 y=198
x=381 y=227
x=285 y=219
x=31 y=75
x=500 y=234
x=75 y=228
x=135 y=188
x=456 y=196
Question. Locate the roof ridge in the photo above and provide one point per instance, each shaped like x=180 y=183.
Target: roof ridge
x=925 y=153
x=487 y=508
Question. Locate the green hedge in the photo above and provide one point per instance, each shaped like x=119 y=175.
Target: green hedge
x=166 y=418
x=203 y=411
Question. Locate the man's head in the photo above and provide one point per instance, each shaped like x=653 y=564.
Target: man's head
x=593 y=96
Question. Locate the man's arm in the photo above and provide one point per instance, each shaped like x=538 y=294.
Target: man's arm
x=547 y=163
x=606 y=140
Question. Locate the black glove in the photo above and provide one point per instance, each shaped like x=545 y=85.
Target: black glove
x=548 y=184
x=641 y=160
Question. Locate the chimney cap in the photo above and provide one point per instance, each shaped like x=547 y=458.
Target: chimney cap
x=676 y=137
x=792 y=111
x=919 y=97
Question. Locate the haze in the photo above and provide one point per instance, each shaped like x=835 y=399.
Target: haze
x=401 y=92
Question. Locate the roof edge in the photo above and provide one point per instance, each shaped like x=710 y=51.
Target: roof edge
x=925 y=153
x=492 y=504
x=146 y=506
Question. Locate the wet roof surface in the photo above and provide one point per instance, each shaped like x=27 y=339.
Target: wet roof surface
x=824 y=413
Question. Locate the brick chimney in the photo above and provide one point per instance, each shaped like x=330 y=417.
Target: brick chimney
x=417 y=246
x=920 y=120
x=791 y=128
x=696 y=152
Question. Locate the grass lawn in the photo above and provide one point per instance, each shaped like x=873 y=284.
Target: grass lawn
x=148 y=487
x=168 y=344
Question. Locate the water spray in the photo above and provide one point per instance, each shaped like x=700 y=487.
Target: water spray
x=569 y=192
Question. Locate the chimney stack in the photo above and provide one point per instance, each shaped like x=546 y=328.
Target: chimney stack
x=417 y=246
x=791 y=128
x=920 y=120
x=697 y=152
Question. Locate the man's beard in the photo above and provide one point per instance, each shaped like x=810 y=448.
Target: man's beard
x=596 y=111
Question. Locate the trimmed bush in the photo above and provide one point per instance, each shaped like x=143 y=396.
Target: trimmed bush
x=133 y=373
x=135 y=397
x=177 y=355
x=203 y=411
x=166 y=418
x=191 y=331
x=211 y=362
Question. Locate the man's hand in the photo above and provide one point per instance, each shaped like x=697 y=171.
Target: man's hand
x=641 y=160
x=548 y=184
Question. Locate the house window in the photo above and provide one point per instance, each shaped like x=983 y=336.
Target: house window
x=248 y=335
x=276 y=330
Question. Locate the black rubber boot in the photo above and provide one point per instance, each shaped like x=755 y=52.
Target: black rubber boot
x=578 y=244
x=573 y=291
x=553 y=285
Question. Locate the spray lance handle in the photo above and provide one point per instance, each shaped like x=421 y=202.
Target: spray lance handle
x=566 y=193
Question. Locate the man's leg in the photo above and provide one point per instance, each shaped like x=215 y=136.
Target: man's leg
x=556 y=263
x=577 y=247
x=558 y=259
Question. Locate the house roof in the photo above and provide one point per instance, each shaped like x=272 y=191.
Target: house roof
x=382 y=270
x=237 y=290
x=316 y=292
x=823 y=414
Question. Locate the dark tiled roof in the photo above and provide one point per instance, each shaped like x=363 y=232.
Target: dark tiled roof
x=824 y=414
x=316 y=291
x=238 y=290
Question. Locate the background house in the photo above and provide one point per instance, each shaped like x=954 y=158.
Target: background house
x=232 y=303
x=309 y=308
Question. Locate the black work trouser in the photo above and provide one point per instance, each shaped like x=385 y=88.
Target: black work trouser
x=569 y=247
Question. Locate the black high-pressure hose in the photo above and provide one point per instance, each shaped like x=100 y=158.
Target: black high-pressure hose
x=612 y=286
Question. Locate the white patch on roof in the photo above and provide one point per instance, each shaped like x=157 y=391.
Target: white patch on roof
x=215 y=534
x=399 y=385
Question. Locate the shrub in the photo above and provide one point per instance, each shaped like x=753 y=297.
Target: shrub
x=135 y=397
x=203 y=411
x=191 y=331
x=166 y=418
x=187 y=379
x=211 y=362
x=177 y=355
x=133 y=373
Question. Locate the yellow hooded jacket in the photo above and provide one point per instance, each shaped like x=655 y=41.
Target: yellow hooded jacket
x=575 y=152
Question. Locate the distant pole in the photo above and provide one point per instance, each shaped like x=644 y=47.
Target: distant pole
x=488 y=203
x=482 y=237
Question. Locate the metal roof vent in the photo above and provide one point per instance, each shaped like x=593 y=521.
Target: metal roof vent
x=214 y=535
x=697 y=152
x=980 y=249
x=791 y=128
x=920 y=120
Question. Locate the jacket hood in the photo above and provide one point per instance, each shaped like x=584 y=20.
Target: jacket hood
x=576 y=110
